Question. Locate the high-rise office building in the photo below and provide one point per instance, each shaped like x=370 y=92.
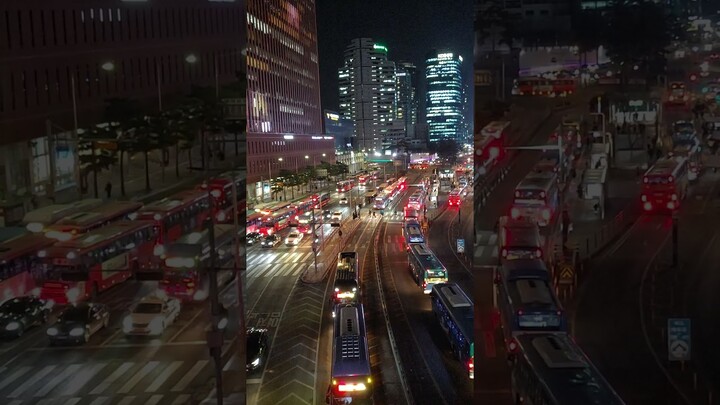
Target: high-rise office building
x=61 y=61
x=406 y=96
x=444 y=105
x=368 y=93
x=284 y=113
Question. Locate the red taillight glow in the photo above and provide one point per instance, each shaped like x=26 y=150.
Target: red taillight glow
x=471 y=364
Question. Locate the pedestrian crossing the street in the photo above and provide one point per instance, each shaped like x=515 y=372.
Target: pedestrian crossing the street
x=105 y=383
x=278 y=264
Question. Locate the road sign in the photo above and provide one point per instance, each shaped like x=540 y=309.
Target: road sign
x=567 y=273
x=678 y=339
x=461 y=245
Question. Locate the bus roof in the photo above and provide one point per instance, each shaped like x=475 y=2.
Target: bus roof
x=26 y=244
x=531 y=294
x=537 y=181
x=525 y=268
x=425 y=256
x=171 y=203
x=103 y=212
x=665 y=166
x=459 y=305
x=50 y=214
x=350 y=353
x=567 y=374
x=197 y=243
x=495 y=128
x=104 y=234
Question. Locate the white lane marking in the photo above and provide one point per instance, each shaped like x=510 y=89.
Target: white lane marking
x=181 y=399
x=111 y=378
x=127 y=400
x=492 y=240
x=150 y=366
x=167 y=372
x=28 y=383
x=50 y=385
x=194 y=371
x=8 y=380
x=99 y=401
x=73 y=401
x=154 y=400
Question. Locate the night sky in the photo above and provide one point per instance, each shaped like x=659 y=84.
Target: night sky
x=409 y=29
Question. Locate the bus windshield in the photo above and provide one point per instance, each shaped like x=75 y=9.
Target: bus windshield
x=659 y=180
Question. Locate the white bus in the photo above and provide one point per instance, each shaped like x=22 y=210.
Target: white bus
x=425 y=267
x=416 y=200
x=536 y=198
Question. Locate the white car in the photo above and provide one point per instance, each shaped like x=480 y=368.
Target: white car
x=151 y=315
x=294 y=238
x=336 y=217
x=343 y=200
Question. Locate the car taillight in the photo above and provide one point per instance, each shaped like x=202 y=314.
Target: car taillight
x=471 y=364
x=514 y=213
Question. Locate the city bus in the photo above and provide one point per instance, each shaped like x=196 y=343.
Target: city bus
x=455 y=198
x=21 y=268
x=518 y=239
x=37 y=220
x=425 y=267
x=665 y=184
x=553 y=370
x=362 y=181
x=402 y=183
x=490 y=144
x=187 y=261
x=527 y=302
x=350 y=373
x=253 y=222
x=454 y=310
x=277 y=221
x=689 y=149
x=221 y=192
x=83 y=222
x=345 y=186
x=321 y=200
x=540 y=86
x=176 y=215
x=416 y=200
x=410 y=214
x=346 y=287
x=536 y=198
x=412 y=233
x=81 y=268
x=383 y=199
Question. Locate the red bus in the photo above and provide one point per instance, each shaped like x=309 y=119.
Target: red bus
x=321 y=200
x=490 y=145
x=20 y=266
x=81 y=268
x=175 y=216
x=221 y=192
x=410 y=213
x=83 y=222
x=455 y=198
x=183 y=269
x=362 y=182
x=665 y=184
x=345 y=185
x=539 y=86
x=278 y=221
x=402 y=183
x=253 y=222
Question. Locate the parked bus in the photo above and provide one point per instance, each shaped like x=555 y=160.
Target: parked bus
x=412 y=233
x=350 y=373
x=345 y=186
x=518 y=239
x=81 y=268
x=37 y=220
x=665 y=184
x=221 y=192
x=346 y=287
x=176 y=215
x=454 y=310
x=527 y=302
x=21 y=267
x=187 y=260
x=553 y=370
x=425 y=267
x=83 y=222
x=536 y=198
x=455 y=198
x=540 y=86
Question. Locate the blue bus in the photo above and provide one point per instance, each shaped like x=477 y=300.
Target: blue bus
x=527 y=301
x=351 y=375
x=412 y=232
x=425 y=267
x=454 y=310
x=553 y=370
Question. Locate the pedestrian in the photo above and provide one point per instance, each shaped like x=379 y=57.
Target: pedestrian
x=108 y=189
x=340 y=233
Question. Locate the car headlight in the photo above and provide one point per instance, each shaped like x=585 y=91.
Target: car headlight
x=255 y=362
x=12 y=326
x=77 y=332
x=156 y=325
x=52 y=331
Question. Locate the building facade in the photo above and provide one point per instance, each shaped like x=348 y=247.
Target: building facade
x=368 y=93
x=284 y=112
x=407 y=103
x=61 y=61
x=341 y=129
x=444 y=101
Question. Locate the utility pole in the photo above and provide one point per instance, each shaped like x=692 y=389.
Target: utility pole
x=314 y=235
x=238 y=275
x=215 y=335
x=675 y=252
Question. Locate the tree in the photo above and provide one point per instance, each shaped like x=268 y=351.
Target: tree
x=120 y=113
x=448 y=149
x=93 y=159
x=145 y=140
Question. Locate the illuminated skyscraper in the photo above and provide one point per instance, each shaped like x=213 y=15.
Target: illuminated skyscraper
x=368 y=94
x=283 y=103
x=444 y=105
x=406 y=112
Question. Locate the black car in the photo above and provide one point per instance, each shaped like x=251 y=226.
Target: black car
x=257 y=348
x=19 y=314
x=252 y=238
x=270 y=241
x=78 y=322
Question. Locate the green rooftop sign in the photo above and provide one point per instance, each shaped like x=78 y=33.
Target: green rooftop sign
x=380 y=47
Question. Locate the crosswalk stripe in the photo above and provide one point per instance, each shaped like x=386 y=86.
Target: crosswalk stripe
x=50 y=385
x=16 y=402
x=167 y=372
x=99 y=401
x=291 y=268
x=299 y=269
x=306 y=256
x=83 y=377
x=194 y=371
x=137 y=377
x=479 y=250
x=8 y=380
x=493 y=239
x=127 y=400
x=154 y=399
x=111 y=378
x=270 y=259
x=73 y=401
x=262 y=270
x=28 y=383
x=46 y=401
x=495 y=252
x=181 y=399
